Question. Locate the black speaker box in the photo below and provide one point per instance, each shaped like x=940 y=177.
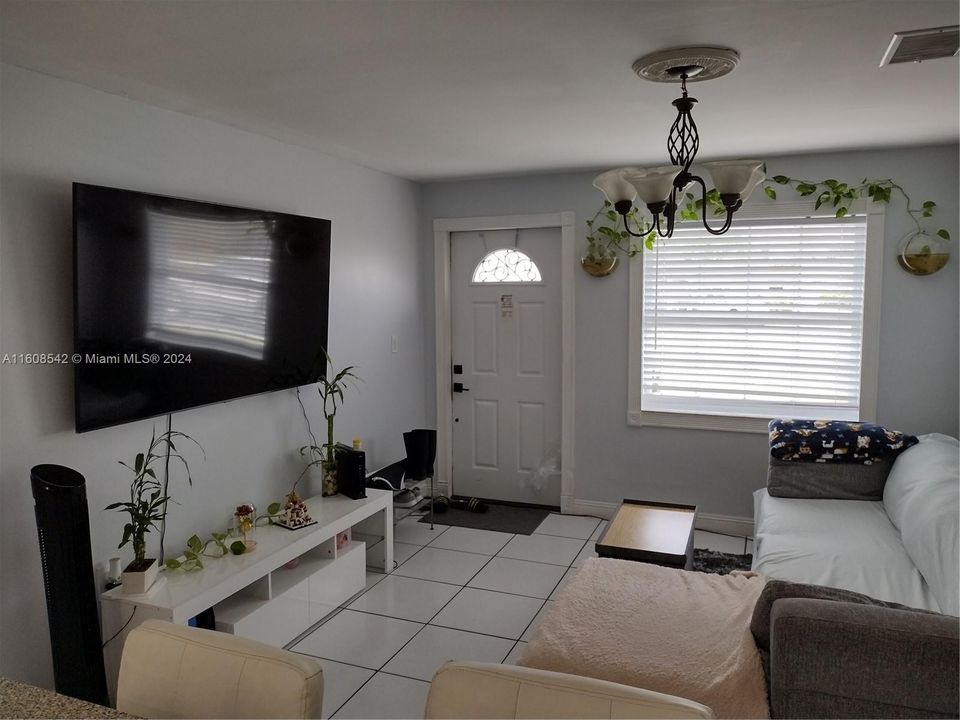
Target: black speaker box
x=351 y=472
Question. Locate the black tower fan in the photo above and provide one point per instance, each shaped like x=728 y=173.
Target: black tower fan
x=60 y=501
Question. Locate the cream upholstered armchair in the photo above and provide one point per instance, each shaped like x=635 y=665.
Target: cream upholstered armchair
x=172 y=671
x=487 y=690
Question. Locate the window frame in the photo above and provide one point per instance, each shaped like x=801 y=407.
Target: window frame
x=870 y=343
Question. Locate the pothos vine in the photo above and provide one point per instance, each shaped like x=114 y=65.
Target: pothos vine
x=607 y=236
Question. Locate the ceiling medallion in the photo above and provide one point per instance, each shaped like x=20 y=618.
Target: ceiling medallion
x=660 y=187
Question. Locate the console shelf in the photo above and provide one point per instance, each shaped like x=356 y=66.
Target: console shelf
x=258 y=595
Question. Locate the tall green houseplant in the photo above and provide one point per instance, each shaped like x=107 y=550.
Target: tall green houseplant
x=331 y=394
x=147 y=505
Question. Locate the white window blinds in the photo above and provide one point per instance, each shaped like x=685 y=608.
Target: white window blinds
x=764 y=321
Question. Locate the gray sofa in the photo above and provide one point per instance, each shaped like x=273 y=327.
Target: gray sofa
x=886 y=644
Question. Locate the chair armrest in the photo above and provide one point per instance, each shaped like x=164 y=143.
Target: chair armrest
x=488 y=690
x=174 y=671
x=839 y=659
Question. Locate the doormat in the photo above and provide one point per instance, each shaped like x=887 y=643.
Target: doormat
x=499 y=518
x=711 y=561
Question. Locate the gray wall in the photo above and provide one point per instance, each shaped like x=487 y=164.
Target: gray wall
x=54 y=133
x=719 y=470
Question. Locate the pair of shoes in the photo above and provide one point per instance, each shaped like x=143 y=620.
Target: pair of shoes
x=406 y=498
x=441 y=504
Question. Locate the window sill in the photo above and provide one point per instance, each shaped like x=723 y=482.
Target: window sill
x=690 y=421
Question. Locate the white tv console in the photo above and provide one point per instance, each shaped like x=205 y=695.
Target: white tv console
x=255 y=595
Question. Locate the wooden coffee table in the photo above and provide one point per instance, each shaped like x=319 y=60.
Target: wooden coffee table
x=652 y=532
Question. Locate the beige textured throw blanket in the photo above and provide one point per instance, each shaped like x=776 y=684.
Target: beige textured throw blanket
x=672 y=631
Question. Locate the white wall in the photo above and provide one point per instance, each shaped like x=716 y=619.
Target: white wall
x=54 y=133
x=719 y=470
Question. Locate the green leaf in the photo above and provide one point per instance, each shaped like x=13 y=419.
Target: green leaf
x=612 y=215
x=114 y=506
x=781 y=179
x=173 y=564
x=273 y=508
x=770 y=192
x=841 y=212
x=929 y=204
x=831 y=183
x=943 y=233
x=195 y=543
x=138 y=465
x=927 y=212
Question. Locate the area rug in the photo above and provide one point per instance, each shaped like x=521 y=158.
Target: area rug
x=720 y=563
x=499 y=518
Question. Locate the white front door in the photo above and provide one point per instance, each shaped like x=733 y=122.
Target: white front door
x=505 y=315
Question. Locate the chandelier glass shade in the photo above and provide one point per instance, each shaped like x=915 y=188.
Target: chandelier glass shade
x=661 y=188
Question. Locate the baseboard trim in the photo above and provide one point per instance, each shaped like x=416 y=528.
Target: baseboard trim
x=730 y=524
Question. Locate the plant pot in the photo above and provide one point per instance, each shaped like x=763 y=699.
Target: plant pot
x=329 y=486
x=599 y=267
x=922 y=254
x=138 y=579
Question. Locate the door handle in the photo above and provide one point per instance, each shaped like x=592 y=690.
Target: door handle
x=458 y=388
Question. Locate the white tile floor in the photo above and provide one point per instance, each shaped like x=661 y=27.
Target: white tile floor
x=456 y=594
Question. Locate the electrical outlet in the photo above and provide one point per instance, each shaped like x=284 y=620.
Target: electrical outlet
x=394 y=344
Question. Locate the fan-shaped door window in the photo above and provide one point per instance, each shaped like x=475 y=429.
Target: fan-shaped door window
x=506 y=265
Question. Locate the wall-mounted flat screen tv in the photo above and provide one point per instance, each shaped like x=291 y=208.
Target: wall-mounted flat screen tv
x=179 y=303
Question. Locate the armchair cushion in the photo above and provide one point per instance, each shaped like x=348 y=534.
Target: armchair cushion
x=173 y=671
x=487 y=690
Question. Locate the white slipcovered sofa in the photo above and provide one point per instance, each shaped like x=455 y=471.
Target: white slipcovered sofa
x=903 y=549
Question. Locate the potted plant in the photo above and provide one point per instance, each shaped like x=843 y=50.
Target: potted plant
x=606 y=237
x=147 y=506
x=331 y=393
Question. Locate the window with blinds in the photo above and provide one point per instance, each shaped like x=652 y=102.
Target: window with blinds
x=209 y=282
x=764 y=321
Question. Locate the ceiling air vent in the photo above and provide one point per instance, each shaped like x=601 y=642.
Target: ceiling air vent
x=920 y=45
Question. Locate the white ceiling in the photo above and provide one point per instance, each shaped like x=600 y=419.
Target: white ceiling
x=455 y=88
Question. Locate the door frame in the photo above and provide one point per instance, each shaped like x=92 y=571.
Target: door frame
x=442 y=229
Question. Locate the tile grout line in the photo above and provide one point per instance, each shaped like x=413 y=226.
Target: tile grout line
x=343 y=607
x=407 y=642
x=424 y=625
x=585 y=542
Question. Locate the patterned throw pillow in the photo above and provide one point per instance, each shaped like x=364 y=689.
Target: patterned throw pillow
x=835 y=441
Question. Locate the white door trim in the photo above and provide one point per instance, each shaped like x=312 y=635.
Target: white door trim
x=442 y=228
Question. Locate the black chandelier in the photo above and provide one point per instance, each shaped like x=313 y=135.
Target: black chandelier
x=660 y=188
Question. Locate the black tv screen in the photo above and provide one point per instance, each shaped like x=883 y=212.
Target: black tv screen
x=179 y=303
